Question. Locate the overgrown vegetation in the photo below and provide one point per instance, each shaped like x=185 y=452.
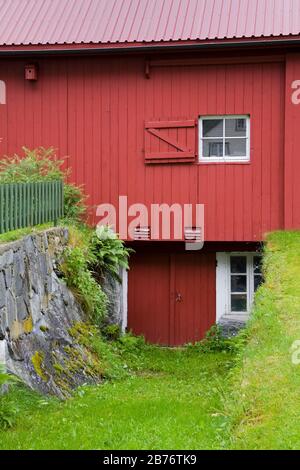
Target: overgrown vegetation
x=215 y=341
x=42 y=164
x=35 y=165
x=86 y=259
x=8 y=409
x=74 y=203
x=88 y=253
x=109 y=251
x=264 y=405
x=80 y=280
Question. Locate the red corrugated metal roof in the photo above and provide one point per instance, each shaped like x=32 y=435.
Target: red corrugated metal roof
x=42 y=22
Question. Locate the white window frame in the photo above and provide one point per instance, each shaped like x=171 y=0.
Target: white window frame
x=223 y=284
x=224 y=159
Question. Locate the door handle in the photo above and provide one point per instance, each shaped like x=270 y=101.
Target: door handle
x=178 y=297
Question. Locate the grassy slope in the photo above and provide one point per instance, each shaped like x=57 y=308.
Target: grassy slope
x=170 y=403
x=266 y=405
x=172 y=399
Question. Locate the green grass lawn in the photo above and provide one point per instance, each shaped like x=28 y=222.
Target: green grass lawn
x=187 y=398
x=171 y=402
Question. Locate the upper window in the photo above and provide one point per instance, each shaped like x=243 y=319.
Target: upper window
x=224 y=138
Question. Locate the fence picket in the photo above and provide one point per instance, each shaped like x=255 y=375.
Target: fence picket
x=27 y=204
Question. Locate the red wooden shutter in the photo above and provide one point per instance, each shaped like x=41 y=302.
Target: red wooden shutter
x=170 y=141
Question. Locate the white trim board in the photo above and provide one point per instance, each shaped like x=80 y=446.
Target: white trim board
x=3 y=351
x=223 y=285
x=124 y=299
x=224 y=159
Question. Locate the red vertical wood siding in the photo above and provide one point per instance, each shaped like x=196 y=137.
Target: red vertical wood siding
x=292 y=146
x=94 y=110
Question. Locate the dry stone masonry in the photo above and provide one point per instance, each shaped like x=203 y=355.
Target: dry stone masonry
x=40 y=320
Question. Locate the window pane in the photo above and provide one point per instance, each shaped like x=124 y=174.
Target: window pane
x=257 y=261
x=235 y=127
x=235 y=147
x=238 y=264
x=257 y=281
x=238 y=302
x=212 y=148
x=212 y=127
x=239 y=283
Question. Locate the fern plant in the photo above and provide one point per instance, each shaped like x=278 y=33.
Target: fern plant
x=109 y=251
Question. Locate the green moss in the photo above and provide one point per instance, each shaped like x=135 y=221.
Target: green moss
x=58 y=367
x=112 y=332
x=14 y=235
x=44 y=328
x=79 y=358
x=37 y=361
x=82 y=332
x=84 y=360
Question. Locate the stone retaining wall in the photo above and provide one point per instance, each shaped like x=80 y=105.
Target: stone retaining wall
x=38 y=313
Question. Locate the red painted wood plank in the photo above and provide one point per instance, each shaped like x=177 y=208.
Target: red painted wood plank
x=168 y=140
x=169 y=124
x=170 y=155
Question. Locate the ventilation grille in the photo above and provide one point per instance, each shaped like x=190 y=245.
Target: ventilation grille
x=142 y=233
x=193 y=234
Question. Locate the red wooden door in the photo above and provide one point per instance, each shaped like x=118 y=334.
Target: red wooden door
x=171 y=298
x=192 y=296
x=149 y=297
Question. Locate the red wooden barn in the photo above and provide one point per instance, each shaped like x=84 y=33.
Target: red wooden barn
x=166 y=102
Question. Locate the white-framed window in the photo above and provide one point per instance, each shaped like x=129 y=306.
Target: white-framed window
x=224 y=138
x=238 y=277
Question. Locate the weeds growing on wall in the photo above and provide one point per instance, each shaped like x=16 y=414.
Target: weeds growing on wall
x=81 y=281
x=86 y=258
x=109 y=251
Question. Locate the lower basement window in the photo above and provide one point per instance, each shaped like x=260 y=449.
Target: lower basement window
x=238 y=277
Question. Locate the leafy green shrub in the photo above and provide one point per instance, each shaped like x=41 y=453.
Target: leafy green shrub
x=129 y=342
x=109 y=251
x=80 y=280
x=214 y=341
x=39 y=165
x=111 y=332
x=74 y=202
x=8 y=410
x=85 y=258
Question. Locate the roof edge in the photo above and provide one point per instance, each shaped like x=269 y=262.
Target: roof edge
x=143 y=46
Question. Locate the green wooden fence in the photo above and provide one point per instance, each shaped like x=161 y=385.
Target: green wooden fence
x=27 y=204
